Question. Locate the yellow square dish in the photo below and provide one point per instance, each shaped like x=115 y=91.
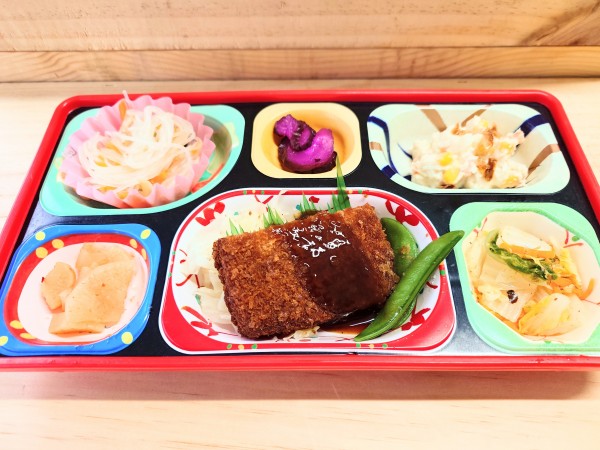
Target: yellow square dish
x=338 y=118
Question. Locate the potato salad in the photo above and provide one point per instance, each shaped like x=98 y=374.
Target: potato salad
x=470 y=155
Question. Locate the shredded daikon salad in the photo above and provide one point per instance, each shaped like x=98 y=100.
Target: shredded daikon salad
x=473 y=155
x=151 y=146
x=532 y=285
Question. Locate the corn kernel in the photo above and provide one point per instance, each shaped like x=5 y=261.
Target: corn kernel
x=450 y=175
x=445 y=159
x=512 y=181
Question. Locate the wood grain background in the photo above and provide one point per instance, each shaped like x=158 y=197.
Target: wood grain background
x=105 y=40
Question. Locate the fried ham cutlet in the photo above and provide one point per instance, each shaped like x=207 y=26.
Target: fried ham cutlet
x=306 y=272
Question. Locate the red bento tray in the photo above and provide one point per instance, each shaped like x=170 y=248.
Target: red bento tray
x=446 y=357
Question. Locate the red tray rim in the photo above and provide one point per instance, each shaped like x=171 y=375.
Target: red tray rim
x=269 y=362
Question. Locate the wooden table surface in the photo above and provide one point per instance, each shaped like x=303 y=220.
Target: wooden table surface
x=305 y=410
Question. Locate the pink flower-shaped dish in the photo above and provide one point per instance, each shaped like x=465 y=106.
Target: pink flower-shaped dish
x=109 y=119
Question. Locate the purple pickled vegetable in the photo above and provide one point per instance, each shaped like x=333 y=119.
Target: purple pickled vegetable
x=302 y=137
x=299 y=133
x=286 y=126
x=283 y=149
x=303 y=150
x=318 y=157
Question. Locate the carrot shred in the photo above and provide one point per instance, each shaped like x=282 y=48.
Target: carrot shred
x=585 y=294
x=122 y=109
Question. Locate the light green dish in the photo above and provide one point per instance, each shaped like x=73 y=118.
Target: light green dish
x=561 y=223
x=228 y=125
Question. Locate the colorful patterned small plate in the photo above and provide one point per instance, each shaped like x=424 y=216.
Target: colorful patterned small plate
x=550 y=222
x=26 y=317
x=228 y=125
x=189 y=326
x=394 y=128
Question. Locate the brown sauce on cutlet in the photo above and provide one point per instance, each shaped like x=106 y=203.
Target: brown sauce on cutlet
x=329 y=260
x=353 y=323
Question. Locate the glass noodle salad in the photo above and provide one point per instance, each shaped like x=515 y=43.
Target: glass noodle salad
x=473 y=155
x=151 y=146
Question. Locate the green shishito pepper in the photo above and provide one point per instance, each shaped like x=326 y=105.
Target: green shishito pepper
x=536 y=269
x=401 y=301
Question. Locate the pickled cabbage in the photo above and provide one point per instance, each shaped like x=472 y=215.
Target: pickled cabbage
x=539 y=290
x=554 y=314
